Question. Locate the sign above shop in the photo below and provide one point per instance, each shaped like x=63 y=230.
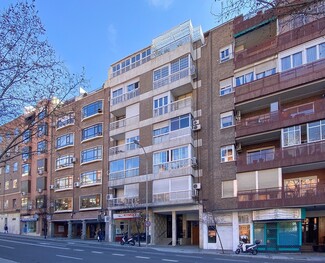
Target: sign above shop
x=277 y=214
x=126 y=216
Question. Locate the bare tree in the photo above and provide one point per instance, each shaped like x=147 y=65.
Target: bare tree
x=224 y=10
x=31 y=76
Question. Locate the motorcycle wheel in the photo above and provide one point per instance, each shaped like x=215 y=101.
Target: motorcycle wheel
x=237 y=251
x=122 y=242
x=254 y=252
x=132 y=243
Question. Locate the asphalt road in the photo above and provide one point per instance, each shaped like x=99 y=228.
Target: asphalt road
x=34 y=250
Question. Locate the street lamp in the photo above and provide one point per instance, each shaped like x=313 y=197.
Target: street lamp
x=147 y=216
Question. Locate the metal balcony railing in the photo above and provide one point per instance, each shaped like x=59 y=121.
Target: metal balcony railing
x=124 y=201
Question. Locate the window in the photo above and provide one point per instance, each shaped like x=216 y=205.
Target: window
x=63 y=183
x=160 y=135
x=322 y=50
x=212 y=234
x=226 y=119
x=91 y=178
x=25 y=169
x=228 y=189
x=7 y=168
x=117 y=95
x=24 y=202
x=171 y=159
x=311 y=54
x=132 y=90
x=160 y=73
x=226 y=86
x=180 y=122
x=63 y=204
x=26 y=136
x=227 y=153
x=130 y=145
x=297 y=59
x=316 y=131
x=160 y=106
x=42 y=129
x=92 y=154
x=40 y=202
x=41 y=165
x=66 y=120
x=65 y=161
x=41 y=147
x=26 y=152
x=65 y=140
x=262 y=155
x=7 y=185
x=291 y=136
x=179 y=65
x=92 y=109
x=90 y=201
x=225 y=53
x=124 y=168
x=16 y=132
x=265 y=73
x=285 y=63
x=42 y=114
x=15 y=183
x=244 y=78
x=92 y=132
x=15 y=167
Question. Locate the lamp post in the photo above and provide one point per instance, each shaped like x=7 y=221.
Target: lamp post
x=147 y=216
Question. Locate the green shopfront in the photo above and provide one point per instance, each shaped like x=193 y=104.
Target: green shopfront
x=279 y=229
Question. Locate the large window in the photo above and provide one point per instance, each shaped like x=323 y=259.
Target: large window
x=63 y=183
x=180 y=122
x=291 y=136
x=225 y=53
x=262 y=155
x=25 y=169
x=159 y=135
x=124 y=168
x=66 y=120
x=63 y=204
x=42 y=129
x=92 y=109
x=90 y=201
x=316 y=131
x=65 y=161
x=65 y=140
x=92 y=132
x=41 y=165
x=226 y=119
x=92 y=154
x=227 y=153
x=228 y=189
x=26 y=153
x=41 y=147
x=91 y=178
x=244 y=78
x=130 y=145
x=160 y=106
x=26 y=136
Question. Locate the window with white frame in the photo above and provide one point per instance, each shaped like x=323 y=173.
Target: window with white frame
x=92 y=109
x=180 y=122
x=161 y=73
x=225 y=53
x=66 y=120
x=25 y=169
x=265 y=73
x=226 y=119
x=90 y=202
x=226 y=87
x=160 y=135
x=91 y=178
x=160 y=106
x=316 y=131
x=291 y=136
x=63 y=183
x=124 y=168
x=63 y=204
x=228 y=189
x=64 y=161
x=92 y=132
x=65 y=141
x=246 y=78
x=227 y=153
x=91 y=154
x=130 y=145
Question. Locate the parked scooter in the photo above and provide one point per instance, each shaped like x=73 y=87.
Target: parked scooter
x=243 y=247
x=126 y=240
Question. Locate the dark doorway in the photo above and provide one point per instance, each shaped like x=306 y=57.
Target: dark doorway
x=310 y=230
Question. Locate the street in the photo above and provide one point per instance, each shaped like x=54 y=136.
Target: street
x=35 y=250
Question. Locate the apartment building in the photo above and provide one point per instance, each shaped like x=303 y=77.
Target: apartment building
x=266 y=119
x=154 y=140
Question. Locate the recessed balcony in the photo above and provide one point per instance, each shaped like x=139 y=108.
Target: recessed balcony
x=177 y=197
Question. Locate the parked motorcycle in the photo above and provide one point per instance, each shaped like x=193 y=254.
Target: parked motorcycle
x=126 y=240
x=243 y=247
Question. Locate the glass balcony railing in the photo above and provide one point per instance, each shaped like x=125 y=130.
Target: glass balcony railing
x=125 y=97
x=123 y=201
x=173 y=196
x=123 y=122
x=176 y=105
x=122 y=148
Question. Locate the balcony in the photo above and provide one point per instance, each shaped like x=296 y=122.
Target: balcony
x=186 y=196
x=124 y=174
x=174 y=168
x=304 y=113
x=116 y=150
x=123 y=125
x=299 y=76
x=123 y=202
x=124 y=98
x=312 y=194
x=306 y=153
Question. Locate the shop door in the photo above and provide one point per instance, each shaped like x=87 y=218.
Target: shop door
x=310 y=230
x=195 y=233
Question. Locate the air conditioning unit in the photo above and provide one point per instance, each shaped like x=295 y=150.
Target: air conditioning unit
x=52 y=187
x=40 y=190
x=194 y=162
x=73 y=159
x=196 y=125
x=76 y=184
x=238 y=147
x=109 y=196
x=197 y=186
x=100 y=110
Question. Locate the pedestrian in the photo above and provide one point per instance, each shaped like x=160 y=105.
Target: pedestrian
x=99 y=235
x=6 y=228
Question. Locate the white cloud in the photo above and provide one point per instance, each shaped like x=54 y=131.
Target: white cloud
x=165 y=4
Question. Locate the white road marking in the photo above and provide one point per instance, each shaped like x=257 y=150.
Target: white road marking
x=184 y=256
x=142 y=257
x=7 y=247
x=78 y=249
x=236 y=260
x=36 y=245
x=120 y=255
x=169 y=260
x=97 y=252
x=62 y=256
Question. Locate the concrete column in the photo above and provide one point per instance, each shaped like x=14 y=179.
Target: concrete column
x=174 y=228
x=152 y=228
x=51 y=229
x=83 y=232
x=69 y=229
x=109 y=226
x=235 y=230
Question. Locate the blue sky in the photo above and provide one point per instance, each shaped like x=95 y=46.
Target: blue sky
x=96 y=33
